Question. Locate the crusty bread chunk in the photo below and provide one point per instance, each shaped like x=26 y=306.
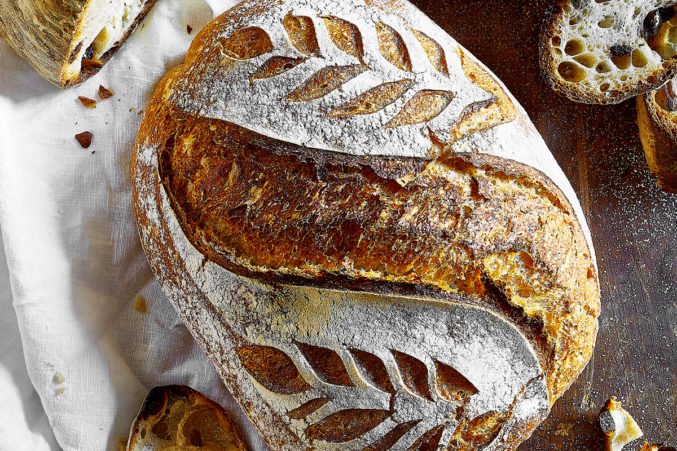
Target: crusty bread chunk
x=68 y=41
x=657 y=119
x=618 y=426
x=176 y=417
x=601 y=51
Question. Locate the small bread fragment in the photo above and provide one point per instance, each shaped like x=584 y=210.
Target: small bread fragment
x=656 y=447
x=68 y=41
x=177 y=417
x=618 y=426
x=606 y=52
x=657 y=119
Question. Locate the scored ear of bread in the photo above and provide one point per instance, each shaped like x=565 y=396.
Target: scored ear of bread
x=176 y=417
x=657 y=119
x=606 y=52
x=68 y=41
x=364 y=231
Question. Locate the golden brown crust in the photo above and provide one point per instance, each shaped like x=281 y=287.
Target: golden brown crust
x=177 y=417
x=259 y=207
x=44 y=33
x=657 y=122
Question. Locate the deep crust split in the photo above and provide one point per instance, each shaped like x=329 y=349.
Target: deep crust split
x=608 y=52
x=50 y=36
x=469 y=229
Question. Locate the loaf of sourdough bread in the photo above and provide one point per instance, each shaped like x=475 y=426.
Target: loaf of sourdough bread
x=68 y=41
x=363 y=230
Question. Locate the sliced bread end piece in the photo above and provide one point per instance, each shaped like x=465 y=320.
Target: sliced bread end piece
x=177 y=417
x=605 y=52
x=657 y=119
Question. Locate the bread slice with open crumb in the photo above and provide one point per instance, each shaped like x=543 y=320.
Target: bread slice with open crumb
x=657 y=119
x=602 y=51
x=177 y=417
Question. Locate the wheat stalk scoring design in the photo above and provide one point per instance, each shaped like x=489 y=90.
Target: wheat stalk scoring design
x=394 y=86
x=355 y=404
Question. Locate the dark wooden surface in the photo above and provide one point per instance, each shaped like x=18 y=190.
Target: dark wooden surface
x=634 y=227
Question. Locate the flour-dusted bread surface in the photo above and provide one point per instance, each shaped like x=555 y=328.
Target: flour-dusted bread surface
x=364 y=231
x=657 y=119
x=68 y=41
x=178 y=418
x=609 y=51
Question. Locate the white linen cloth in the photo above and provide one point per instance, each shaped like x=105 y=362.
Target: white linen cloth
x=76 y=357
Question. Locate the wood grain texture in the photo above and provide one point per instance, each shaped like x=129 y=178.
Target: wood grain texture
x=634 y=228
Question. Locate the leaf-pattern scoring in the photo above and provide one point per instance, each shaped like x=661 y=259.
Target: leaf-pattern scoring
x=424 y=106
x=275 y=66
x=301 y=33
x=392 y=437
x=374 y=99
x=247 y=43
x=276 y=371
x=307 y=408
x=325 y=81
x=346 y=36
x=327 y=364
x=392 y=47
x=273 y=369
x=346 y=425
x=434 y=51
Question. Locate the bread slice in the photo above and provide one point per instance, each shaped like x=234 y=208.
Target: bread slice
x=68 y=41
x=363 y=230
x=657 y=119
x=176 y=417
x=605 y=52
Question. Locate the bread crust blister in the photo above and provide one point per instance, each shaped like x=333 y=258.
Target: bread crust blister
x=608 y=52
x=353 y=217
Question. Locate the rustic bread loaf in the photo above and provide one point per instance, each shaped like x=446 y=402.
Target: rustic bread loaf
x=67 y=41
x=657 y=119
x=605 y=52
x=178 y=418
x=364 y=230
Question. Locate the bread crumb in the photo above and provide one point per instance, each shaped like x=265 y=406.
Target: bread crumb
x=140 y=304
x=58 y=378
x=105 y=93
x=60 y=391
x=85 y=139
x=564 y=429
x=87 y=102
x=189 y=29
